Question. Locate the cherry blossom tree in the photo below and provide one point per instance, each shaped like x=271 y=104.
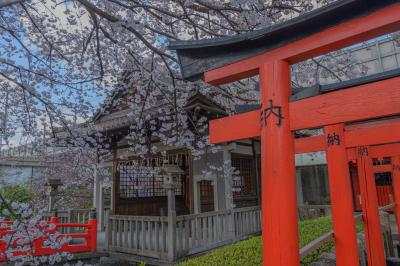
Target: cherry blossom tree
x=60 y=59
x=57 y=56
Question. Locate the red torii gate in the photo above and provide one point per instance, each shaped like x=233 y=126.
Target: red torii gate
x=279 y=118
x=342 y=144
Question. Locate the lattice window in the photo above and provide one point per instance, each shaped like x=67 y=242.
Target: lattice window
x=206 y=189
x=142 y=181
x=245 y=185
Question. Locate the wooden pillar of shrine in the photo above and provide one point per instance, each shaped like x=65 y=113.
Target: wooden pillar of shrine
x=279 y=201
x=341 y=197
x=369 y=202
x=396 y=187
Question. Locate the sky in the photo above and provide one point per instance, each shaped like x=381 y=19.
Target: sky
x=96 y=100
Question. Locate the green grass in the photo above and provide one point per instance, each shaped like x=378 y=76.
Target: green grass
x=248 y=252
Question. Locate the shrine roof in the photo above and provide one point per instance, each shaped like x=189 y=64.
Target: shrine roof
x=109 y=119
x=198 y=56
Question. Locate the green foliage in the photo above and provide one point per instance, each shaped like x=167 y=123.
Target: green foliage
x=16 y=193
x=310 y=230
x=20 y=193
x=142 y=263
x=249 y=252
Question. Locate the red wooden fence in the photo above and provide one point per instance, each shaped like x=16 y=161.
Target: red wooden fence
x=38 y=248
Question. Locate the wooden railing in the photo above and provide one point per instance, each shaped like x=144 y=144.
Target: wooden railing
x=170 y=238
x=70 y=215
x=140 y=235
x=199 y=232
x=77 y=216
x=247 y=221
x=195 y=233
x=16 y=244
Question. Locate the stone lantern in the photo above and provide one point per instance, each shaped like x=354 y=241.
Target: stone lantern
x=52 y=184
x=170 y=173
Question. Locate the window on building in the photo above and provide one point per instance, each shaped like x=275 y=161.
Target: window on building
x=206 y=196
x=142 y=182
x=245 y=185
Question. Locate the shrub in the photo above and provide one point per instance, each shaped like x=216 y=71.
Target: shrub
x=248 y=252
x=15 y=193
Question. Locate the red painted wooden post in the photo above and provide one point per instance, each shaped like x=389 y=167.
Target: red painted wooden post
x=92 y=231
x=369 y=198
x=396 y=187
x=279 y=201
x=341 y=197
x=53 y=220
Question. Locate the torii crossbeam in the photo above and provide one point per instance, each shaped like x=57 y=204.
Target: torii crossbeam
x=269 y=54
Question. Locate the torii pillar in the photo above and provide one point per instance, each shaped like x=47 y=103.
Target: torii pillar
x=279 y=200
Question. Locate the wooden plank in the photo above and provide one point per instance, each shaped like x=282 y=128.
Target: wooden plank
x=215 y=230
x=187 y=234
x=309 y=144
x=131 y=234
x=372 y=133
x=238 y=223
x=383 y=96
x=242 y=126
x=197 y=231
x=385 y=150
x=118 y=232
x=354 y=104
x=209 y=229
x=246 y=223
x=157 y=236
x=115 y=232
x=163 y=237
x=219 y=227
x=143 y=236
x=315 y=244
x=179 y=236
x=203 y=230
x=136 y=235
x=336 y=107
x=111 y=235
x=150 y=233
x=224 y=226
x=253 y=222
x=193 y=233
x=242 y=223
x=248 y=214
x=126 y=234
x=342 y=35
